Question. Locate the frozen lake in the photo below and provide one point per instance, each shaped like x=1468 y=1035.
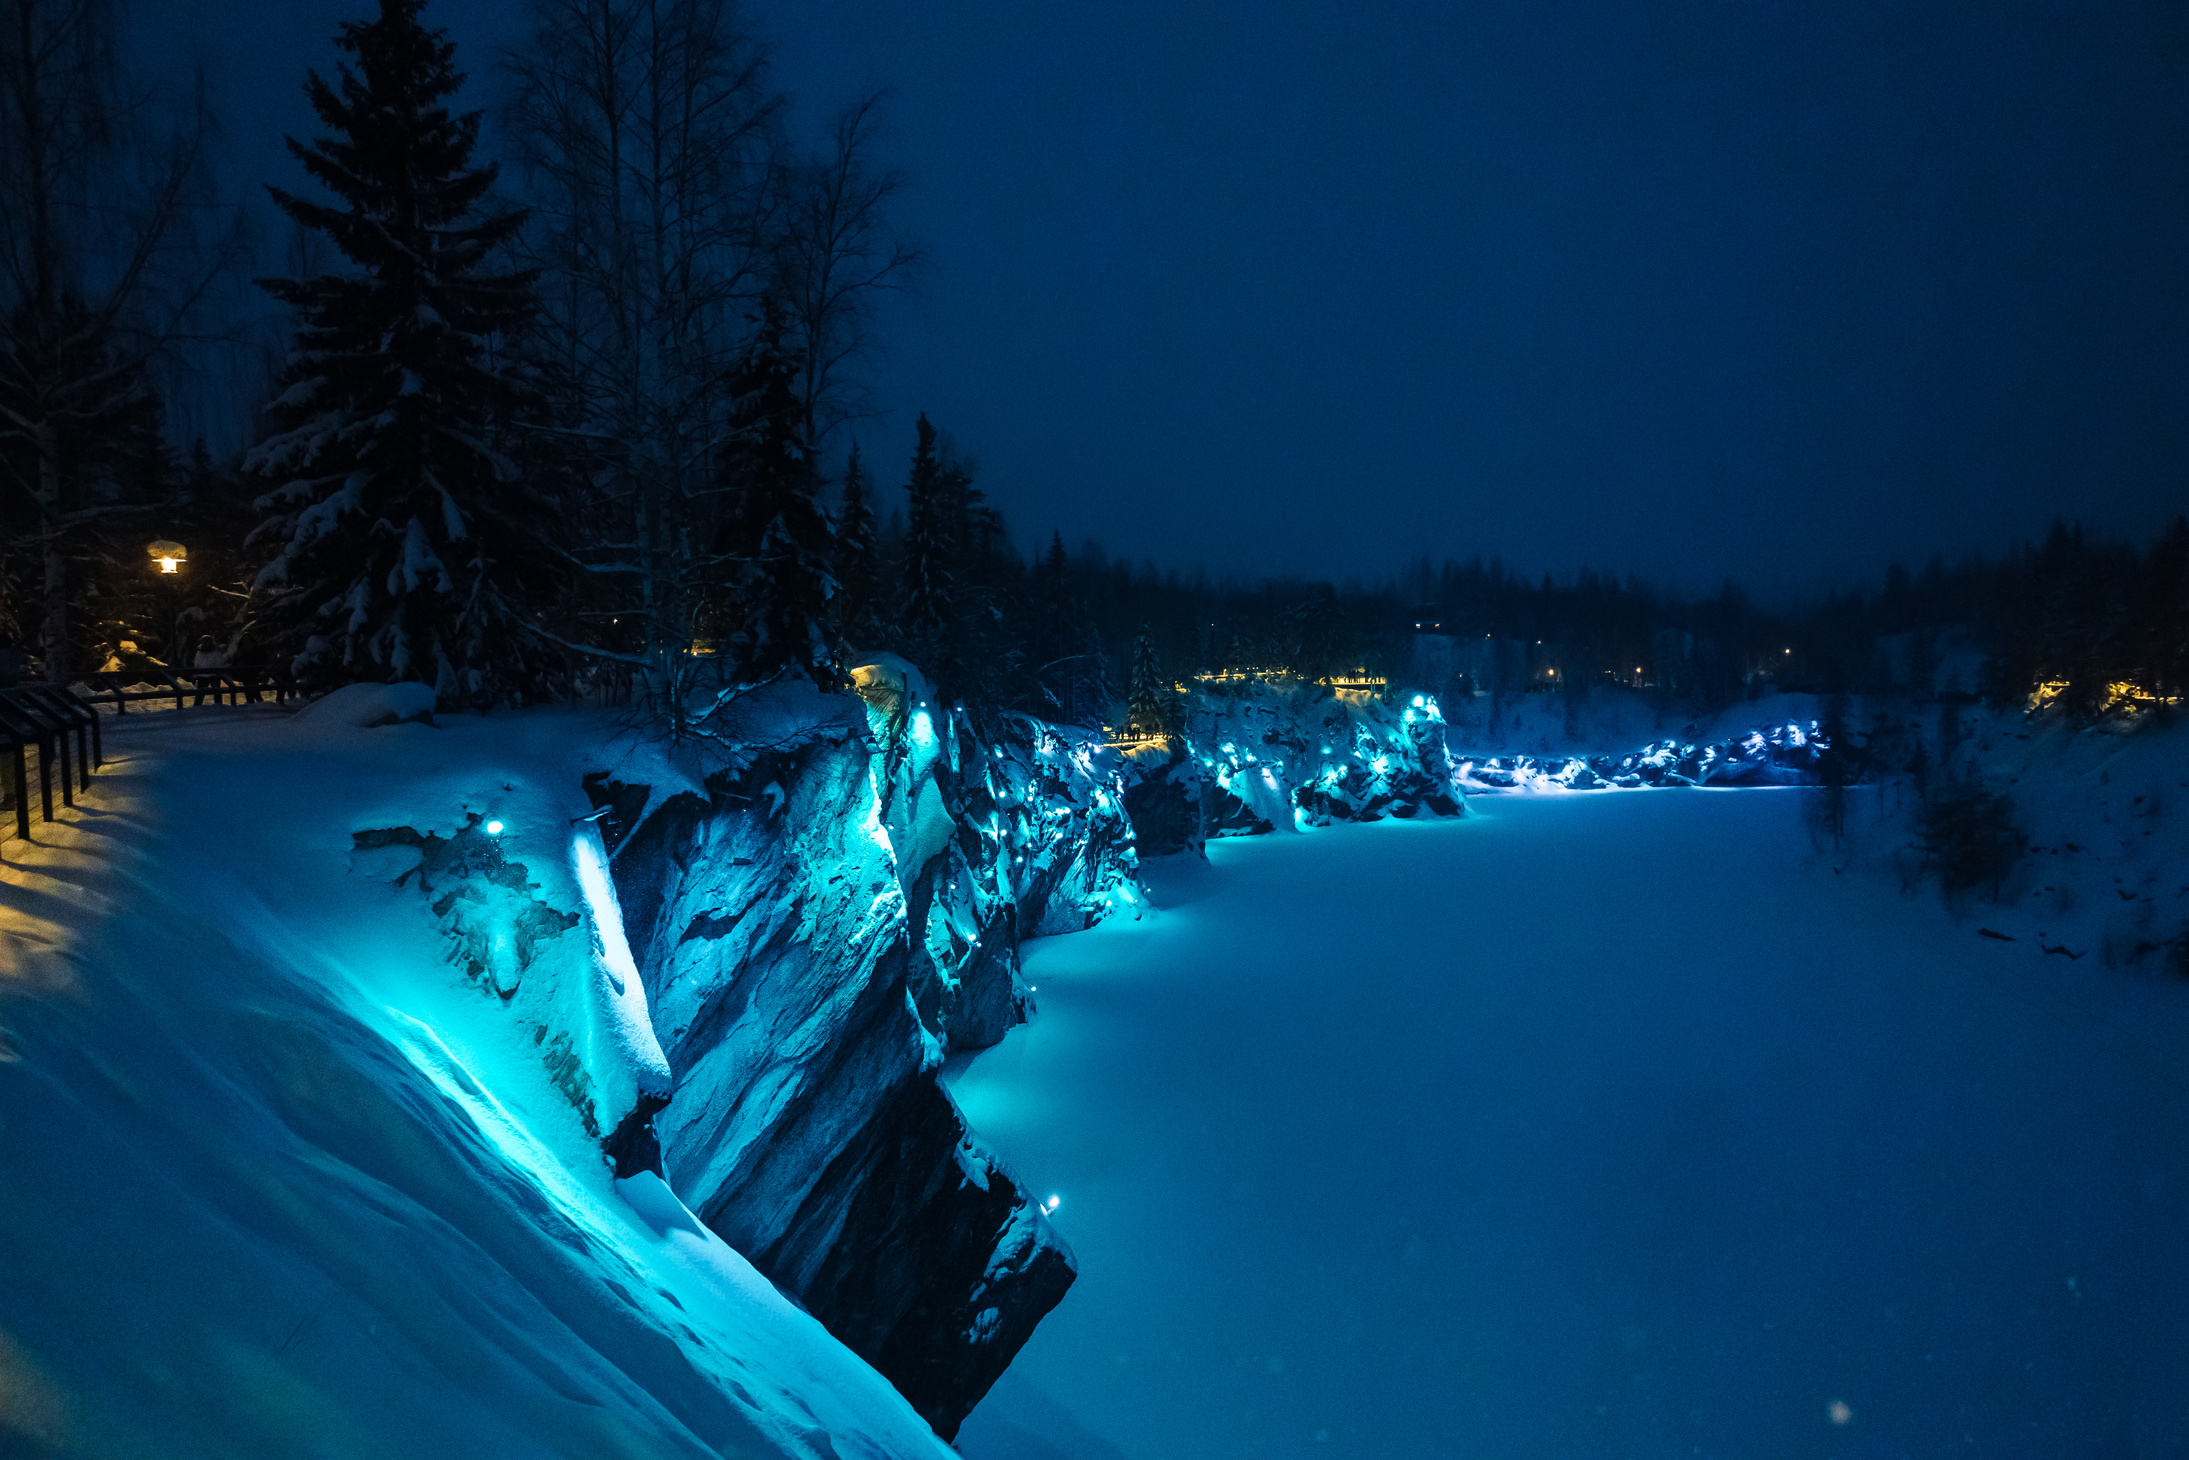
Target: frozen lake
x=1590 y=1126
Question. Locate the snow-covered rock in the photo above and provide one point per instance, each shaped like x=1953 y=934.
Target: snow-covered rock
x=1782 y=754
x=1262 y=756
x=1010 y=835
x=554 y=954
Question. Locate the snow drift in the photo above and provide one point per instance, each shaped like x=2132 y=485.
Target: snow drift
x=288 y=1167
x=336 y=1113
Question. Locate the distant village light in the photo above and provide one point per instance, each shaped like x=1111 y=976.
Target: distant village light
x=169 y=555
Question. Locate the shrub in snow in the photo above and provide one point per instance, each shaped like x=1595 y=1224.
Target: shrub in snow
x=1968 y=837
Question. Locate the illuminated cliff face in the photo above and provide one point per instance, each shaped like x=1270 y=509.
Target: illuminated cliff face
x=815 y=932
x=1268 y=752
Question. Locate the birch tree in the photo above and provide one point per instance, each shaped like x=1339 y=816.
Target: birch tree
x=647 y=139
x=839 y=252
x=109 y=245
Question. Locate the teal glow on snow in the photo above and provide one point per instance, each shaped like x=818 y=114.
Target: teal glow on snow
x=314 y=1190
x=1681 y=1164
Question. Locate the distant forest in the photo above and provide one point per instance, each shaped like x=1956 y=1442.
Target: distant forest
x=585 y=423
x=2093 y=622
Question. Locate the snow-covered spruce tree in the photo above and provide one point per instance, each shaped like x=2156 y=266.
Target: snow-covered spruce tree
x=405 y=547
x=858 y=561
x=778 y=541
x=1146 y=704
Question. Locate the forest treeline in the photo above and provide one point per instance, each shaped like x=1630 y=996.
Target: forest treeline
x=585 y=421
x=2089 y=622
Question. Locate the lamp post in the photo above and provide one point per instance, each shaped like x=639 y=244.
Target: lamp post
x=167 y=560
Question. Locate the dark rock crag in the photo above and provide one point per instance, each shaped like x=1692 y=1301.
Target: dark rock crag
x=1258 y=757
x=815 y=932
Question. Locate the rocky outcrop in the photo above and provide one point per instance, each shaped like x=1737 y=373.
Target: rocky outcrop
x=815 y=931
x=1014 y=833
x=1262 y=756
x=533 y=935
x=1777 y=755
x=1163 y=797
x=931 y=1264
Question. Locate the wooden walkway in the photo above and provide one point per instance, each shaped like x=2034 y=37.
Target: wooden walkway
x=39 y=722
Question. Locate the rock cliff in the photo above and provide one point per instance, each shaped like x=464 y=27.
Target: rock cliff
x=1259 y=756
x=840 y=908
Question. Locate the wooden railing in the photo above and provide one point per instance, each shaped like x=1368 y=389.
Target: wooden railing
x=122 y=688
x=37 y=720
x=40 y=717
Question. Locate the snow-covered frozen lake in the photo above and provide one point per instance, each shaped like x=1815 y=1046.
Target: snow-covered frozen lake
x=1604 y=1125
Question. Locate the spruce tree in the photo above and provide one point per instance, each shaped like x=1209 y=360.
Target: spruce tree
x=1051 y=597
x=858 y=561
x=930 y=541
x=1064 y=641
x=1145 y=701
x=780 y=541
x=405 y=547
x=2166 y=616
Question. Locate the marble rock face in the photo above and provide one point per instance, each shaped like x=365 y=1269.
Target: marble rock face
x=815 y=932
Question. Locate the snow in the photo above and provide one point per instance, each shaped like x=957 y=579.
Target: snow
x=2106 y=875
x=276 y=1178
x=1589 y=1125
x=367 y=706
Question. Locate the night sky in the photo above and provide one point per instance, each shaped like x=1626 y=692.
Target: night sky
x=1776 y=291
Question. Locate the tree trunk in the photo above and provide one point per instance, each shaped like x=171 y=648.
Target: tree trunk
x=54 y=631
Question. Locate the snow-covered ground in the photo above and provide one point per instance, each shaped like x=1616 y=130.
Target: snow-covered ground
x=1616 y=1124
x=276 y=1179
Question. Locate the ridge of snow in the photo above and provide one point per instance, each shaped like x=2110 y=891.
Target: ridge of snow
x=279 y=1179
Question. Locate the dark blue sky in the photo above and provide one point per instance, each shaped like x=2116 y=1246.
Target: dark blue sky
x=1779 y=291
